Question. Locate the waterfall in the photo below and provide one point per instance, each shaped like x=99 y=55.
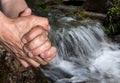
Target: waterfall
x=84 y=53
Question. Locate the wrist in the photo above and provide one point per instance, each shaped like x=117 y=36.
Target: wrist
x=4 y=22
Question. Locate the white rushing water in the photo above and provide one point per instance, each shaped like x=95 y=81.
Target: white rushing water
x=84 y=54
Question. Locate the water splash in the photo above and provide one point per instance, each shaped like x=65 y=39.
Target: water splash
x=84 y=55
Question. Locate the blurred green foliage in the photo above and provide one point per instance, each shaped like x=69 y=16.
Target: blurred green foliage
x=113 y=14
x=42 y=5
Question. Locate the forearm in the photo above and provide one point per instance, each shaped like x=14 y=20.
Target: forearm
x=12 y=8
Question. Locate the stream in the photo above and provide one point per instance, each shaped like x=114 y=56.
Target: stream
x=84 y=53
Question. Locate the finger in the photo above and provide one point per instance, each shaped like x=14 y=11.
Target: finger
x=40 y=60
x=36 y=42
x=24 y=63
x=41 y=21
x=42 y=48
x=36 y=61
x=26 y=12
x=31 y=61
x=25 y=23
x=35 y=31
x=50 y=54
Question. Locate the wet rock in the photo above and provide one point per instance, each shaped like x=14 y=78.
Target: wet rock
x=11 y=71
x=97 y=6
x=65 y=8
x=117 y=38
x=73 y=2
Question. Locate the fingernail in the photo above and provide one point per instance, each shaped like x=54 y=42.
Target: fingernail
x=30 y=54
x=24 y=40
x=25 y=49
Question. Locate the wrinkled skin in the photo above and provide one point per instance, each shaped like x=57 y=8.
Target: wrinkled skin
x=34 y=43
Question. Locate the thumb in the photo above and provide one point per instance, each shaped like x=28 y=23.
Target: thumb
x=26 y=12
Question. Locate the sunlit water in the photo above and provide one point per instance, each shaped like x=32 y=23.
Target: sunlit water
x=84 y=53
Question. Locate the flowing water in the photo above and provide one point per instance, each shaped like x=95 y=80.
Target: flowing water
x=84 y=53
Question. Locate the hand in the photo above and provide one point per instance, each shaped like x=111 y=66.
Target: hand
x=20 y=26
x=38 y=40
x=38 y=46
x=26 y=12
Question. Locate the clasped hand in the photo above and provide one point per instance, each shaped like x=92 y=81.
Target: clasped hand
x=26 y=37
